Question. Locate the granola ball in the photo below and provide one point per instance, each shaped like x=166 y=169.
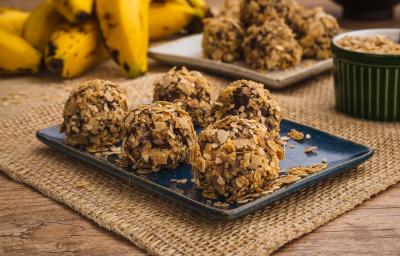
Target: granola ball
x=271 y=46
x=249 y=100
x=94 y=114
x=237 y=157
x=256 y=12
x=315 y=29
x=230 y=9
x=158 y=135
x=188 y=89
x=222 y=38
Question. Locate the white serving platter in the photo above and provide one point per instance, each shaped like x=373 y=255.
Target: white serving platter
x=187 y=51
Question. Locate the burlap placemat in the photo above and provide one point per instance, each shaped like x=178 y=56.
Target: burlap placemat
x=164 y=228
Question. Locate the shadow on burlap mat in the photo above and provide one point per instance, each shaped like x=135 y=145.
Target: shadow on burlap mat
x=163 y=228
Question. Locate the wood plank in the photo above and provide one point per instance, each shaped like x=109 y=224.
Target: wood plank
x=32 y=224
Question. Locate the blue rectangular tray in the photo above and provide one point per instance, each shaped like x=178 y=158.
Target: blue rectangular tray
x=340 y=154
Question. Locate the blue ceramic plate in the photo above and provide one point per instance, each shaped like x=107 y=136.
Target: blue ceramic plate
x=340 y=154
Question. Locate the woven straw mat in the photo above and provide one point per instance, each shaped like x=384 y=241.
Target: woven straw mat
x=163 y=228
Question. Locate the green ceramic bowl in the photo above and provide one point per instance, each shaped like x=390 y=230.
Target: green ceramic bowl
x=367 y=85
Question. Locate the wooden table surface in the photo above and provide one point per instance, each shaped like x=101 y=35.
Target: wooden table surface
x=31 y=224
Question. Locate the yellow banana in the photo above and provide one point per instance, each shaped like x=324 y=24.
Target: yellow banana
x=40 y=24
x=124 y=28
x=200 y=6
x=75 y=11
x=73 y=49
x=11 y=20
x=169 y=17
x=16 y=55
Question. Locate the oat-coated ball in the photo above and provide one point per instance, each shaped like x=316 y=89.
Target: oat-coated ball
x=315 y=29
x=94 y=114
x=158 y=135
x=256 y=12
x=237 y=157
x=188 y=89
x=222 y=38
x=271 y=46
x=230 y=9
x=249 y=100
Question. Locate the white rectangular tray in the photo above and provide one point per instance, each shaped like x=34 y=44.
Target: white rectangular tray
x=188 y=51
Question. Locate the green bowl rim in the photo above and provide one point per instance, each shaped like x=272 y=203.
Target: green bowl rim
x=365 y=54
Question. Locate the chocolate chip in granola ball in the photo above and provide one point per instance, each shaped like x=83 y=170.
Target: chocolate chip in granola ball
x=314 y=30
x=238 y=156
x=188 y=89
x=271 y=46
x=249 y=100
x=94 y=114
x=158 y=136
x=222 y=38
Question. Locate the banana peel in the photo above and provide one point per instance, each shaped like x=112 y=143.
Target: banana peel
x=17 y=56
x=40 y=25
x=12 y=20
x=73 y=49
x=124 y=28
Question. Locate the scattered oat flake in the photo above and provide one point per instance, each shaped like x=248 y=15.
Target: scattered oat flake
x=296 y=135
x=179 y=181
x=285 y=138
x=221 y=204
x=311 y=149
x=308 y=136
x=291 y=146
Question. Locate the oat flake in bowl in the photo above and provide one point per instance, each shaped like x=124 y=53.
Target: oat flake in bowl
x=370 y=44
x=367 y=74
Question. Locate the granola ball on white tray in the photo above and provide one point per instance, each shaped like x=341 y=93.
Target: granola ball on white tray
x=271 y=46
x=314 y=29
x=256 y=12
x=222 y=39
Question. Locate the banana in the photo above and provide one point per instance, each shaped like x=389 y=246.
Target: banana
x=11 y=20
x=73 y=49
x=74 y=11
x=16 y=55
x=180 y=14
x=200 y=6
x=124 y=28
x=40 y=24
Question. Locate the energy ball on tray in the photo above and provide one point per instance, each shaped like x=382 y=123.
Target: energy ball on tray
x=256 y=12
x=158 y=135
x=188 y=89
x=94 y=114
x=249 y=100
x=271 y=46
x=222 y=38
x=315 y=29
x=238 y=157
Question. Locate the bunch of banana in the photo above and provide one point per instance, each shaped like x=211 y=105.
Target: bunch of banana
x=74 y=11
x=67 y=32
x=11 y=20
x=40 y=24
x=16 y=55
x=168 y=17
x=124 y=27
x=73 y=49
